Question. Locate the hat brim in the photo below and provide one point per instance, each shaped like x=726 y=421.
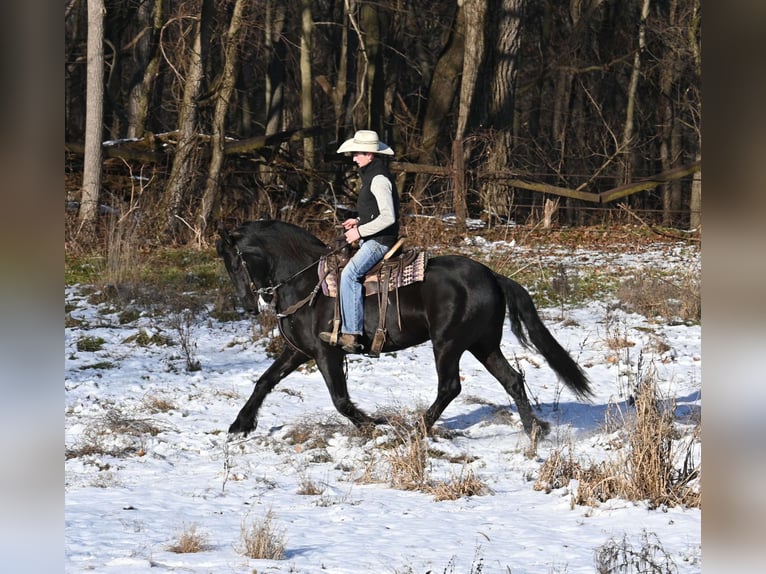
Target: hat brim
x=350 y=146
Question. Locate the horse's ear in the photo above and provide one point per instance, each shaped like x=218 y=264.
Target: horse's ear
x=225 y=235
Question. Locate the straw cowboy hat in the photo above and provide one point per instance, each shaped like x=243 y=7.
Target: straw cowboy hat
x=365 y=141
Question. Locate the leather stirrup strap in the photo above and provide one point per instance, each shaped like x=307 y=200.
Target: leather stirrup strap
x=380 y=333
x=336 y=320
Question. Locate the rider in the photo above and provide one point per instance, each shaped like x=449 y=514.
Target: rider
x=376 y=229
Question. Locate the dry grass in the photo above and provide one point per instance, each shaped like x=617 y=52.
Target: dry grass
x=261 y=540
x=404 y=462
x=157 y=404
x=116 y=434
x=307 y=486
x=464 y=484
x=309 y=435
x=651 y=461
x=408 y=461
x=620 y=556
x=531 y=451
x=122 y=252
x=590 y=485
x=649 y=466
x=674 y=299
x=189 y=541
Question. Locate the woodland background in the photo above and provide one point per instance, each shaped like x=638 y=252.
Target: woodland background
x=183 y=114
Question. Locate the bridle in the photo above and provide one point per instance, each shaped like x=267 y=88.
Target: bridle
x=271 y=290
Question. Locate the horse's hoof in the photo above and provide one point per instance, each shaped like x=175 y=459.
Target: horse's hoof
x=237 y=427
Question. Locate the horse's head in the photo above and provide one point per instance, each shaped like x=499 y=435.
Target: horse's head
x=246 y=265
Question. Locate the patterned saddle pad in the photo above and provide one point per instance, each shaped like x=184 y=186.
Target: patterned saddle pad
x=403 y=269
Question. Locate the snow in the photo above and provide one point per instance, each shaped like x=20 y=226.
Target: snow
x=154 y=472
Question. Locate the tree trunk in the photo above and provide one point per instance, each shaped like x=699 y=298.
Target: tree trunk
x=375 y=86
x=226 y=87
x=695 y=207
x=275 y=77
x=91 y=179
x=441 y=94
x=307 y=81
x=148 y=59
x=668 y=131
x=182 y=172
x=626 y=147
x=475 y=11
x=695 y=204
x=500 y=104
x=341 y=85
x=458 y=194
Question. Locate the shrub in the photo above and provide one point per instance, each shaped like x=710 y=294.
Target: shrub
x=619 y=556
x=648 y=469
x=90 y=344
x=465 y=484
x=128 y=316
x=409 y=459
x=116 y=434
x=183 y=323
x=144 y=339
x=674 y=299
x=308 y=487
x=260 y=540
x=189 y=541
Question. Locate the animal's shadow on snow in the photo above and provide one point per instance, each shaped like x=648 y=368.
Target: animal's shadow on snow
x=300 y=551
x=584 y=418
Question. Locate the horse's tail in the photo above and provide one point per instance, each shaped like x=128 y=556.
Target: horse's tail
x=522 y=311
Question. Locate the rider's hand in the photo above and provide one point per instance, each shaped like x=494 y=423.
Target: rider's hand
x=349 y=223
x=352 y=234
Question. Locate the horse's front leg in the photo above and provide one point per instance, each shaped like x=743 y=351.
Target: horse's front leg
x=330 y=364
x=286 y=363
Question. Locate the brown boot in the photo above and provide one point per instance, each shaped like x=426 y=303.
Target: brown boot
x=346 y=342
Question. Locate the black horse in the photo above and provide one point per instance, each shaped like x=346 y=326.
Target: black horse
x=460 y=306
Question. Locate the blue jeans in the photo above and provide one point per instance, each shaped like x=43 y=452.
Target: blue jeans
x=351 y=289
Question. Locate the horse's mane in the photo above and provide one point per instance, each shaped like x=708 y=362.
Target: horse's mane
x=290 y=240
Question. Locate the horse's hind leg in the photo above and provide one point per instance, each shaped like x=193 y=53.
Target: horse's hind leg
x=513 y=383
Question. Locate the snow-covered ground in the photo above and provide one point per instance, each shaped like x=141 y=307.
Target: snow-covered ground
x=149 y=458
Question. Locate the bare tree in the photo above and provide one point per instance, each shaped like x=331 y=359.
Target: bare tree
x=274 y=83
x=626 y=171
x=695 y=202
x=580 y=94
x=183 y=168
x=445 y=82
x=307 y=81
x=147 y=58
x=503 y=48
x=475 y=11
x=225 y=89
x=91 y=179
